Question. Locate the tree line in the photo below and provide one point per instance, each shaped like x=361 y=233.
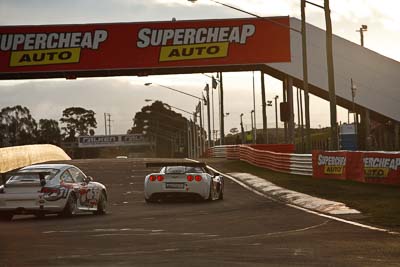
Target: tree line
x=18 y=127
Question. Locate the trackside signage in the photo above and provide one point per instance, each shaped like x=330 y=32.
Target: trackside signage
x=381 y=166
x=329 y=164
x=112 y=140
x=370 y=167
x=122 y=46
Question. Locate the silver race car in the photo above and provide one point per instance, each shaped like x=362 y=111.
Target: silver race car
x=50 y=188
x=178 y=179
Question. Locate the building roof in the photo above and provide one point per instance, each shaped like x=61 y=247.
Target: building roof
x=375 y=76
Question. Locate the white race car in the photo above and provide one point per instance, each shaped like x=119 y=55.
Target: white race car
x=50 y=188
x=177 y=179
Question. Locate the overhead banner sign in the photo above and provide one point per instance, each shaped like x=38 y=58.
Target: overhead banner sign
x=113 y=140
x=98 y=48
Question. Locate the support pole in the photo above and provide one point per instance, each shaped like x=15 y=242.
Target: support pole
x=222 y=131
x=194 y=136
x=285 y=125
x=242 y=129
x=213 y=118
x=304 y=146
x=305 y=77
x=264 y=109
x=201 y=131
x=367 y=129
x=208 y=115
x=289 y=89
x=276 y=120
x=298 y=116
x=189 y=139
x=254 y=109
x=331 y=78
x=105 y=123
x=396 y=136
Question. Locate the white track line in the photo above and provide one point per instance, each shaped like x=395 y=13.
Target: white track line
x=303 y=209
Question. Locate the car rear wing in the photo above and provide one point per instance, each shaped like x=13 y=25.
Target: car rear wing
x=182 y=163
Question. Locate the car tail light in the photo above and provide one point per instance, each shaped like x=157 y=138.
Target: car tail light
x=153 y=178
x=160 y=178
x=50 y=190
x=190 y=178
x=198 y=178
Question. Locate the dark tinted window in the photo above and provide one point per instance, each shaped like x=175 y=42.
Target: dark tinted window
x=181 y=169
x=30 y=174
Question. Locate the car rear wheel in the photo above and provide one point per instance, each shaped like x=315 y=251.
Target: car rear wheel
x=70 y=207
x=101 y=205
x=6 y=216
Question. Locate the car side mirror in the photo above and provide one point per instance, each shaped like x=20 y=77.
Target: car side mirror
x=216 y=174
x=89 y=179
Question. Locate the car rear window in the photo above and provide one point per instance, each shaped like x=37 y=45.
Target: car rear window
x=30 y=174
x=181 y=169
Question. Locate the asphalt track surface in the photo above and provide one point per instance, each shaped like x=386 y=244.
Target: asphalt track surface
x=244 y=229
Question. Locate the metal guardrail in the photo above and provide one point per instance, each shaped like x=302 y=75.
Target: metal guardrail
x=300 y=164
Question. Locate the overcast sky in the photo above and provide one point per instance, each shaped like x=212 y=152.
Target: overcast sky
x=122 y=97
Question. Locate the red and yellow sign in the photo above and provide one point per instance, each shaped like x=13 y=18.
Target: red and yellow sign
x=381 y=167
x=139 y=46
x=327 y=164
x=370 y=167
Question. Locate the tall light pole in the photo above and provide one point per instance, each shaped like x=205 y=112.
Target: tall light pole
x=276 y=118
x=304 y=57
x=305 y=76
x=331 y=77
x=207 y=89
x=362 y=29
x=254 y=111
x=264 y=109
x=269 y=104
x=252 y=126
x=329 y=54
x=221 y=117
x=214 y=85
x=105 y=123
x=242 y=128
x=353 y=95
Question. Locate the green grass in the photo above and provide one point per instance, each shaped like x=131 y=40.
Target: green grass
x=379 y=204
